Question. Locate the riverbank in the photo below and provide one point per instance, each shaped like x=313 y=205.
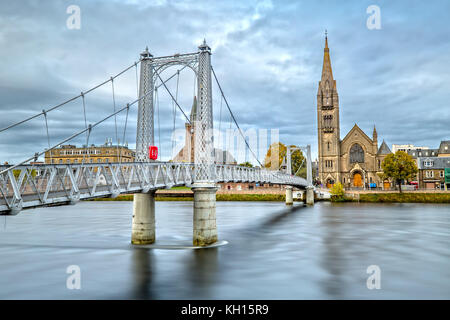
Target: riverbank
x=396 y=197
x=219 y=197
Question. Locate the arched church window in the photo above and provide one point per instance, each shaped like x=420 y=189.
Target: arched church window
x=356 y=154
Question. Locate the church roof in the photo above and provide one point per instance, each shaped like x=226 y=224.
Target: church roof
x=384 y=149
x=358 y=129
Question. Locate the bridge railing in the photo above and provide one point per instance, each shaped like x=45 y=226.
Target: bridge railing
x=39 y=185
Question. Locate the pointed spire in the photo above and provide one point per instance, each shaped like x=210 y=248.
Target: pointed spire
x=327 y=72
x=193 y=116
x=375 y=134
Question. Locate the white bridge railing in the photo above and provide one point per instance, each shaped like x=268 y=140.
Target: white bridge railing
x=31 y=186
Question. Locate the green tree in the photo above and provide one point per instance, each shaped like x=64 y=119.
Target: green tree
x=399 y=166
x=337 y=192
x=246 y=164
x=16 y=173
x=297 y=159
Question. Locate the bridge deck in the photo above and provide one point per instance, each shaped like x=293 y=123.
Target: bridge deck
x=30 y=186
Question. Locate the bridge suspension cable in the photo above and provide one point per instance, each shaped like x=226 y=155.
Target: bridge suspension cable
x=233 y=117
x=171 y=95
x=87 y=130
x=69 y=100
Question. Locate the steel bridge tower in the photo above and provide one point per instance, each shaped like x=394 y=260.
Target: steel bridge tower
x=204 y=187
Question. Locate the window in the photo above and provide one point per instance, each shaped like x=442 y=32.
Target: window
x=429 y=174
x=441 y=174
x=327 y=119
x=328 y=163
x=60 y=161
x=356 y=154
x=428 y=163
x=328 y=145
x=379 y=164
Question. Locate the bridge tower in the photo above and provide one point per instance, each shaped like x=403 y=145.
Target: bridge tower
x=143 y=224
x=204 y=187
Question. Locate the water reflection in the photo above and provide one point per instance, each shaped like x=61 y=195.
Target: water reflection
x=142 y=274
x=331 y=257
x=202 y=266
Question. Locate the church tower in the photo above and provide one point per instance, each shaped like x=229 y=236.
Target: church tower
x=328 y=123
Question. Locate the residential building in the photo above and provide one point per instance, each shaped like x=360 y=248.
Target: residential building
x=406 y=147
x=432 y=172
x=106 y=153
x=418 y=153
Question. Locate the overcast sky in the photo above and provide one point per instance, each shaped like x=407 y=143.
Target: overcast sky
x=267 y=54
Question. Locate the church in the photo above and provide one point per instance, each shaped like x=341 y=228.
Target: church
x=354 y=161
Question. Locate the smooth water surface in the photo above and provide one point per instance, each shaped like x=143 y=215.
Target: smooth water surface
x=319 y=252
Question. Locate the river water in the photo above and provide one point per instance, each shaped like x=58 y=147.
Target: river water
x=319 y=252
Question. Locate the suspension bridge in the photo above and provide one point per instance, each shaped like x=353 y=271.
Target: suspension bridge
x=63 y=184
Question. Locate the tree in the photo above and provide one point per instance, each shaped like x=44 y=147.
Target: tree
x=246 y=164
x=274 y=162
x=16 y=173
x=337 y=192
x=399 y=166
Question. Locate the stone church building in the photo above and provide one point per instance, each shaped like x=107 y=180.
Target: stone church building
x=355 y=160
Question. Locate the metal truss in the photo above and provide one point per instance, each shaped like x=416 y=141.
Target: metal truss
x=31 y=186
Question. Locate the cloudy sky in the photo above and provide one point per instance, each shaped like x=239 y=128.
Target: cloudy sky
x=267 y=54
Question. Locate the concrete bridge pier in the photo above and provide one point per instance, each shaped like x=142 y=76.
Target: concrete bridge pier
x=309 y=195
x=205 y=228
x=289 y=197
x=143 y=225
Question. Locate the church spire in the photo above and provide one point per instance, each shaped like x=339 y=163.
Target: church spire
x=327 y=72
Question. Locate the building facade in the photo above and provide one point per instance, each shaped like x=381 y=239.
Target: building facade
x=420 y=152
x=432 y=173
x=106 y=153
x=354 y=161
x=406 y=148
